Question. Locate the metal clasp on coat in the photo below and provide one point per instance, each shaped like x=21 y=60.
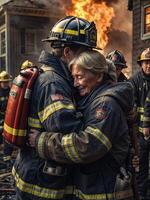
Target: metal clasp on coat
x=54 y=171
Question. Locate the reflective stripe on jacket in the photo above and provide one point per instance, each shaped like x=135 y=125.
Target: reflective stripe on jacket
x=141 y=85
x=52 y=109
x=101 y=148
x=4 y=93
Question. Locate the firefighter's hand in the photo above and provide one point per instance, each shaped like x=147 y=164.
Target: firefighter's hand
x=32 y=137
x=146 y=133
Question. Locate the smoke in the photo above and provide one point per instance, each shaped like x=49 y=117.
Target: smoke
x=121 y=41
x=120 y=32
x=51 y=4
x=120 y=35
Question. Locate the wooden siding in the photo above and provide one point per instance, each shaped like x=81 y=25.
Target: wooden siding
x=138 y=44
x=41 y=27
x=36 y=17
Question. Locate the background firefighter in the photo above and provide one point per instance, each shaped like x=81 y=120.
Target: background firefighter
x=53 y=109
x=5 y=79
x=119 y=61
x=141 y=84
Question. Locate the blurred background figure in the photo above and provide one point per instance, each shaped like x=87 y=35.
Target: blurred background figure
x=141 y=85
x=119 y=61
x=5 y=83
x=26 y=64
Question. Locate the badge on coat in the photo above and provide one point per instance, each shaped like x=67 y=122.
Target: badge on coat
x=100 y=114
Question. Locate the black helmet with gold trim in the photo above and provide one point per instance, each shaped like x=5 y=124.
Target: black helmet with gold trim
x=73 y=30
x=117 y=58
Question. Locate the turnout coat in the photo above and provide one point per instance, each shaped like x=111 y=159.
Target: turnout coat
x=52 y=109
x=100 y=148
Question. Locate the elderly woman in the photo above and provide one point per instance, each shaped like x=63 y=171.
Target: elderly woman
x=101 y=147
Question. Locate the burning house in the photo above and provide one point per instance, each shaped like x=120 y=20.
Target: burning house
x=23 y=24
x=141 y=27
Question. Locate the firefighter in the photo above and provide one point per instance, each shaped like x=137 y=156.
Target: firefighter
x=26 y=64
x=119 y=61
x=5 y=79
x=53 y=109
x=141 y=84
x=101 y=146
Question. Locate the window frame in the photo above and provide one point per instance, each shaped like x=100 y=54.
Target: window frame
x=3 y=55
x=23 y=47
x=144 y=36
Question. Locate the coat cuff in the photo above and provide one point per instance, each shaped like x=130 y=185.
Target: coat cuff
x=40 y=144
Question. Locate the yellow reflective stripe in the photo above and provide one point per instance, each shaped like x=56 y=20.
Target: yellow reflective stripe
x=40 y=146
x=13 y=131
x=102 y=196
x=35 y=123
x=39 y=191
x=59 y=194
x=3 y=98
x=142 y=118
x=69 y=148
x=100 y=136
x=147 y=99
x=141 y=129
x=140 y=109
x=52 y=108
x=6 y=158
x=69 y=31
x=2 y=112
x=146 y=119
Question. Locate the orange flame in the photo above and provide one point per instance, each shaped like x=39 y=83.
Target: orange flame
x=100 y=13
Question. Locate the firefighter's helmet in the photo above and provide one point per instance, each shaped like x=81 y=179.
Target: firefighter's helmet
x=117 y=58
x=73 y=30
x=26 y=64
x=4 y=77
x=145 y=55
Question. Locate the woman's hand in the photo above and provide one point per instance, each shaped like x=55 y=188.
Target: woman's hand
x=32 y=137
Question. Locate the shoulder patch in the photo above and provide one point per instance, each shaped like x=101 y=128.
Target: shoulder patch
x=100 y=114
x=56 y=97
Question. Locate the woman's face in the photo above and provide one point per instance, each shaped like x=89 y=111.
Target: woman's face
x=84 y=80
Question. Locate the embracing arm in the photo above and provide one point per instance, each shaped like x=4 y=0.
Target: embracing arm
x=86 y=146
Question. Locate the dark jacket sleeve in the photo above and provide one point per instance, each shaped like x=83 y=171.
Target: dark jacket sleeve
x=146 y=118
x=99 y=135
x=54 y=106
x=135 y=83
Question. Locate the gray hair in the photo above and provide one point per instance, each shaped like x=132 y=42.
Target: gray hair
x=91 y=60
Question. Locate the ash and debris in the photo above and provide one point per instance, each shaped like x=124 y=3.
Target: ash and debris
x=7 y=189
